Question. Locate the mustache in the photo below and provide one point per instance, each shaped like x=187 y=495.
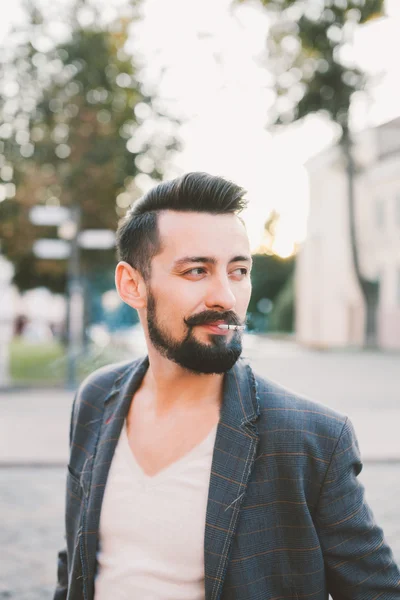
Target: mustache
x=210 y=316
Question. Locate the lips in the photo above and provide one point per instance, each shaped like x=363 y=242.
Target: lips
x=213 y=327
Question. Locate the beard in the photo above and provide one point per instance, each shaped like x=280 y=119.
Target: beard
x=215 y=358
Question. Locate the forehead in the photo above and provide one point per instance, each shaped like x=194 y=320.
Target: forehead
x=194 y=233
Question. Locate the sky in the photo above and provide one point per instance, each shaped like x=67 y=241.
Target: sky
x=205 y=60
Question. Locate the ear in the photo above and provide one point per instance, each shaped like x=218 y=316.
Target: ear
x=130 y=285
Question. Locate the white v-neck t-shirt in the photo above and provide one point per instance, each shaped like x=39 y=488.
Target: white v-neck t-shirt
x=152 y=527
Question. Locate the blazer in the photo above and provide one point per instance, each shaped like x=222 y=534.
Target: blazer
x=286 y=516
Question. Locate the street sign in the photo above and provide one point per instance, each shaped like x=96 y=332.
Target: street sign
x=51 y=249
x=49 y=215
x=97 y=239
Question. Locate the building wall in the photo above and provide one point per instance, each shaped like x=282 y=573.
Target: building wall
x=384 y=182
x=330 y=308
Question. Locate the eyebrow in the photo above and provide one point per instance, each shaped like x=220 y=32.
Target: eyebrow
x=209 y=260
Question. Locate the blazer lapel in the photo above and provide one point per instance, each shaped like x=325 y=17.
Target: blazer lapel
x=233 y=458
x=116 y=407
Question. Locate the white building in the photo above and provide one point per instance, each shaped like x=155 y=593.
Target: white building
x=329 y=306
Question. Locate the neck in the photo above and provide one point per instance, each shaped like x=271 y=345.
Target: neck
x=170 y=385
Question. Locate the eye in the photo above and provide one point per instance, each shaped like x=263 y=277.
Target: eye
x=195 y=271
x=240 y=272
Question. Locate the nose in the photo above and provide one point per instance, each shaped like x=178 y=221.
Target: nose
x=220 y=295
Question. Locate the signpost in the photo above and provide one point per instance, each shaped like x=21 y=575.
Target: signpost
x=75 y=302
x=97 y=239
x=48 y=215
x=69 y=221
x=54 y=249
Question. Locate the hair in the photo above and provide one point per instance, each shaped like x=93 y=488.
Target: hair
x=138 y=239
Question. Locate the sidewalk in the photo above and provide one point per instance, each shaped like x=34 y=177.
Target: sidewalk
x=34 y=427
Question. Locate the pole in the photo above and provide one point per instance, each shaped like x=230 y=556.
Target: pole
x=75 y=303
x=7 y=315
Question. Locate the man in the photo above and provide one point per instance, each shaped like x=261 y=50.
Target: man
x=190 y=477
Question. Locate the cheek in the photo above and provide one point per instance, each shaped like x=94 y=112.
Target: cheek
x=174 y=302
x=182 y=294
x=243 y=297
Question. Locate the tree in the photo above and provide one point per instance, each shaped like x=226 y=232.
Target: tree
x=282 y=316
x=269 y=275
x=308 y=55
x=269 y=236
x=76 y=130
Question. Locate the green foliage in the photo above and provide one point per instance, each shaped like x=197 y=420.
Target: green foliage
x=282 y=314
x=268 y=275
x=75 y=129
x=309 y=59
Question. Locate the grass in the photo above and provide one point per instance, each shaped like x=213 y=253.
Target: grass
x=46 y=363
x=37 y=363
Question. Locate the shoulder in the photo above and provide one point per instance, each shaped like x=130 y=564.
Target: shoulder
x=95 y=388
x=284 y=409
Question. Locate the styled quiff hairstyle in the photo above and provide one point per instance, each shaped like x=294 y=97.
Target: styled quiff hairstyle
x=138 y=239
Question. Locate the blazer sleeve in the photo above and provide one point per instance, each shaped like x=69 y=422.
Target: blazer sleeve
x=359 y=563
x=62 y=565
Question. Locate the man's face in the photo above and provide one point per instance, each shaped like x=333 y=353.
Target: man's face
x=200 y=278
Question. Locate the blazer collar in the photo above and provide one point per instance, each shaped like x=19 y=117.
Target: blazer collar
x=240 y=404
x=240 y=401
x=127 y=381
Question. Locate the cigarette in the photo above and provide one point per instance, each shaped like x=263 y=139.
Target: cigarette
x=235 y=327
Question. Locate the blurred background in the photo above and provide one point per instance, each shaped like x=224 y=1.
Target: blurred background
x=295 y=100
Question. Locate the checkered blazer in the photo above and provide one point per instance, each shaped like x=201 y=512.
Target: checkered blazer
x=286 y=516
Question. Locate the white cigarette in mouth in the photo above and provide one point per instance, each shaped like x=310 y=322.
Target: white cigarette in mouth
x=235 y=327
